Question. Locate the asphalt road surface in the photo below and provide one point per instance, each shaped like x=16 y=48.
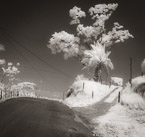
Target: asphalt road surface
x=31 y=117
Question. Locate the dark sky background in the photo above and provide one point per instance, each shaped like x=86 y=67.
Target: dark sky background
x=27 y=27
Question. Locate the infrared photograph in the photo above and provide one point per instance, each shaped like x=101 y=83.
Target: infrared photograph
x=72 y=68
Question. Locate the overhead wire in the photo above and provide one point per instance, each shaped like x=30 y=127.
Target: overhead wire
x=28 y=61
x=37 y=71
x=35 y=55
x=18 y=50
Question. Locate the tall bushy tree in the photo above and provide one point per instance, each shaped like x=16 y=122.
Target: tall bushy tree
x=91 y=44
x=97 y=59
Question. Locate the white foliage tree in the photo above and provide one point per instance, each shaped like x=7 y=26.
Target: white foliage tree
x=76 y=13
x=24 y=89
x=97 y=59
x=64 y=42
x=9 y=72
x=143 y=67
x=2 y=62
x=91 y=44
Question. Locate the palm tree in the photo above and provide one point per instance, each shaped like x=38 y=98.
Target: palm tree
x=143 y=67
x=97 y=58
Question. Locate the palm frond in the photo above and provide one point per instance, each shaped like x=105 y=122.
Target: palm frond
x=95 y=56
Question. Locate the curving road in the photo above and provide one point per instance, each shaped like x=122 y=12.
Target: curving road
x=31 y=117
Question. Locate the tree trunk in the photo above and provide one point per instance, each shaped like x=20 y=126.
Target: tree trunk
x=1 y=94
x=97 y=74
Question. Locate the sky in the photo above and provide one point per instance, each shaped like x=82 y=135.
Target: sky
x=26 y=27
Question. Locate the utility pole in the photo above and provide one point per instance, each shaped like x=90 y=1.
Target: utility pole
x=130 y=80
x=63 y=95
x=83 y=86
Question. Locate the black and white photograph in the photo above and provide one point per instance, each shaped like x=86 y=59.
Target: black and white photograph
x=72 y=68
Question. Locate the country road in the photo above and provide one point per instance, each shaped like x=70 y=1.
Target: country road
x=31 y=117
x=98 y=109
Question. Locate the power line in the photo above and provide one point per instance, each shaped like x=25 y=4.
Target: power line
x=42 y=70
x=38 y=72
x=33 y=66
x=36 y=56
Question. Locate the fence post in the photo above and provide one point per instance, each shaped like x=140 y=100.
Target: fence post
x=119 y=97
x=17 y=93
x=92 y=94
x=11 y=94
x=83 y=86
x=130 y=80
